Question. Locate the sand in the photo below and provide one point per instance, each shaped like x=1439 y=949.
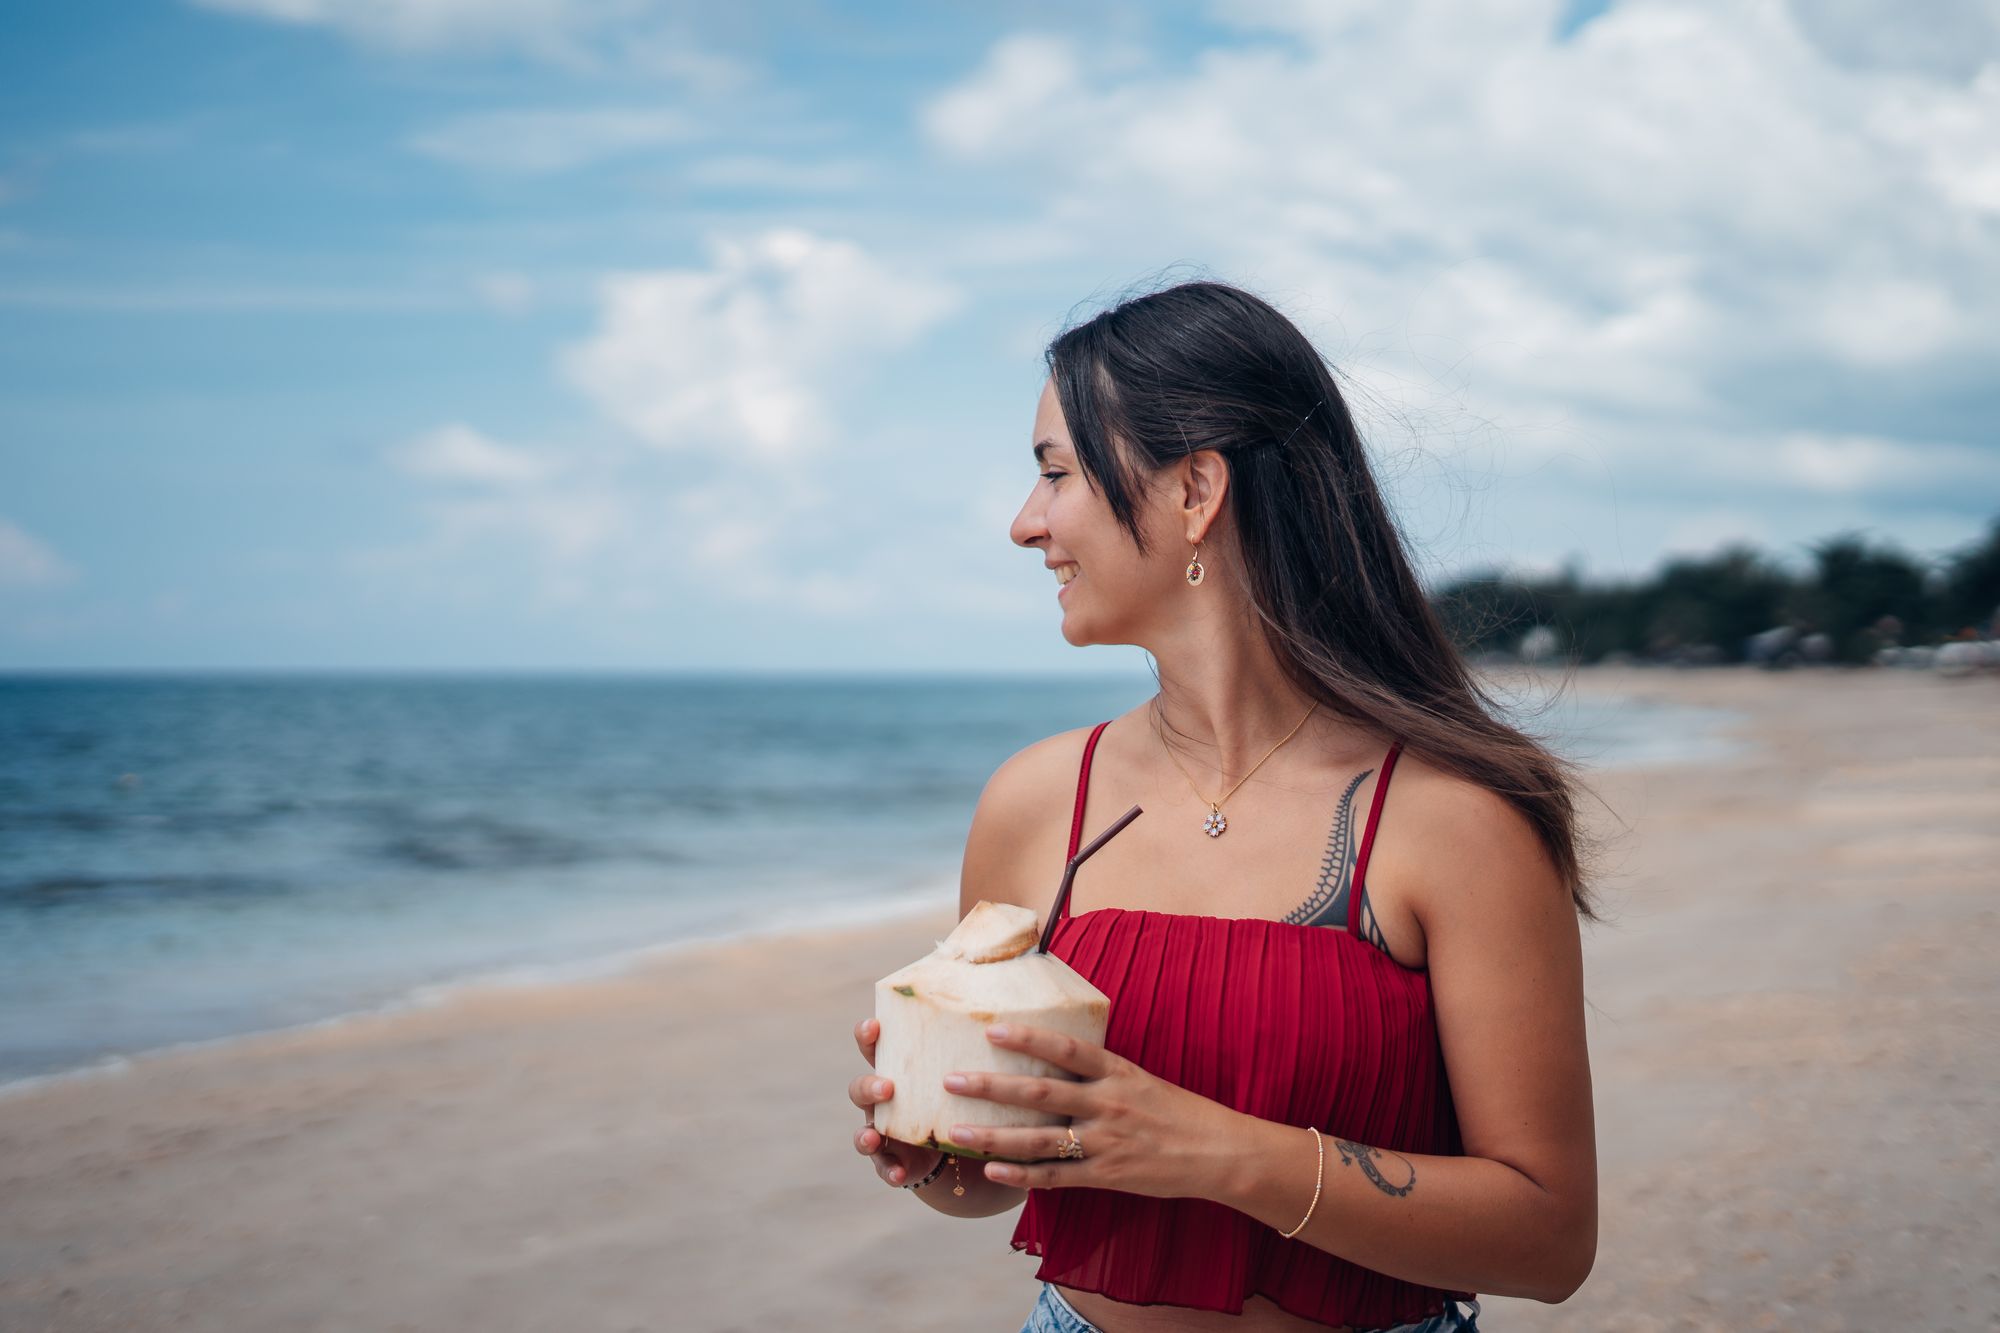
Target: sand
x=1793 y=1039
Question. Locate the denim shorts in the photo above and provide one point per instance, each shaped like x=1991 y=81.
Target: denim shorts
x=1053 y=1314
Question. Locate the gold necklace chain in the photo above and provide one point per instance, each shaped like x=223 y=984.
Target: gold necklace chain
x=1214 y=823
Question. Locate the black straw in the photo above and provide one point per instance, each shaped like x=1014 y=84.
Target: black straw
x=1069 y=874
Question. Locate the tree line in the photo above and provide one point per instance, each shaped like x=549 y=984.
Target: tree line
x=1857 y=597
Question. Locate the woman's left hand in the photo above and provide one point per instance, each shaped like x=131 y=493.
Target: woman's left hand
x=1140 y=1133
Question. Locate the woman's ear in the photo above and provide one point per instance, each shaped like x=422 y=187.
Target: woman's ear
x=1204 y=481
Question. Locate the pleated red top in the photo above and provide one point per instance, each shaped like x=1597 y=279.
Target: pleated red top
x=1306 y=1025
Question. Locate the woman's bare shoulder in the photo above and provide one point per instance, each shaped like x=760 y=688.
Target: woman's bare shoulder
x=1015 y=848
x=1441 y=833
x=1027 y=780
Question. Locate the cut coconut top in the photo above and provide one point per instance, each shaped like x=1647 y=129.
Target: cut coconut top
x=992 y=933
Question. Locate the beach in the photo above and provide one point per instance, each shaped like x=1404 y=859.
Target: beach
x=1794 y=1009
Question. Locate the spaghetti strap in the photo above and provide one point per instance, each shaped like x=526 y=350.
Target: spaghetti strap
x=1082 y=791
x=1368 y=841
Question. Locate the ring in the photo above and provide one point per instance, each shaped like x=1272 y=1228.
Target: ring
x=1072 y=1148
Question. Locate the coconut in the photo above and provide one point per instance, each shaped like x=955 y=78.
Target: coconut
x=934 y=1014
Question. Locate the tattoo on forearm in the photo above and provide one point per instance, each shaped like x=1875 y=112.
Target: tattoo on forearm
x=1352 y=1152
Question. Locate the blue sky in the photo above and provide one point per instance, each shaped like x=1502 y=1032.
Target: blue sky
x=618 y=334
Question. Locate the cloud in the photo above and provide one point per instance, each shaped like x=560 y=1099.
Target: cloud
x=507 y=292
x=552 y=140
x=648 y=37
x=432 y=24
x=28 y=562
x=1685 y=236
x=1026 y=79
x=750 y=354
x=602 y=527
x=755 y=362
x=498 y=517
x=1956 y=38
x=1868 y=464
x=457 y=452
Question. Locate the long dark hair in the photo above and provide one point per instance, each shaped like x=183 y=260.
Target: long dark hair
x=1204 y=365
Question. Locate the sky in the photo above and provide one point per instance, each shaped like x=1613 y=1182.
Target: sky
x=624 y=335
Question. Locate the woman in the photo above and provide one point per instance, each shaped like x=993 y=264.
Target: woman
x=1345 y=1082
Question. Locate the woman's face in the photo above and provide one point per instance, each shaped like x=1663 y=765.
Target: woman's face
x=1112 y=594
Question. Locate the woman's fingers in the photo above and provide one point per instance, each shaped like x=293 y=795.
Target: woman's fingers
x=866 y=1089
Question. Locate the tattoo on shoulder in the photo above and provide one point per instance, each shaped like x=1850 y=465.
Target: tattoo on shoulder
x=1370 y=928
x=1328 y=904
x=1352 y=1152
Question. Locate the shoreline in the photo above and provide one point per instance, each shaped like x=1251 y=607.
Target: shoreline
x=1790 y=1006
x=582 y=970
x=586 y=968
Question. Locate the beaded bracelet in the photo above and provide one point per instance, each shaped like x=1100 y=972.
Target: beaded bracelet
x=1321 y=1143
x=913 y=1184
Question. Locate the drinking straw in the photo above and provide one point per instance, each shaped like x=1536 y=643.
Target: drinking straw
x=1069 y=874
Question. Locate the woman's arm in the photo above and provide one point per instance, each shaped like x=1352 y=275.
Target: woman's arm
x=1466 y=1224
x=1517 y=1215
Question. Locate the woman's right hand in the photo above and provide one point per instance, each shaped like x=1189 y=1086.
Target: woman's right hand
x=895 y=1161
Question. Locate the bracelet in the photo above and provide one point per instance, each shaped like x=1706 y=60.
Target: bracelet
x=1321 y=1143
x=942 y=1159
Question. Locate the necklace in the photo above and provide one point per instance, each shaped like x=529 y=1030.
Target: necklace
x=1214 y=823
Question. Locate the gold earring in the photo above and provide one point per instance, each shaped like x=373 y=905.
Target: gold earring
x=1195 y=572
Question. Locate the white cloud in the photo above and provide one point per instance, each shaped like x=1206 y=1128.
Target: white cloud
x=1857 y=464
x=641 y=37
x=508 y=293
x=1685 y=246
x=751 y=354
x=758 y=361
x=1026 y=77
x=416 y=25
x=26 y=561
x=457 y=452
x=1891 y=321
x=540 y=522
x=552 y=140
x=603 y=528
x=1952 y=132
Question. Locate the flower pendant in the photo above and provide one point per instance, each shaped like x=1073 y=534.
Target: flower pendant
x=1215 y=823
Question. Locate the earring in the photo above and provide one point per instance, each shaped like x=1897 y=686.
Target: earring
x=1195 y=572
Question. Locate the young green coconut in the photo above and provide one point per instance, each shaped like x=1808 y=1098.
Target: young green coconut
x=934 y=1013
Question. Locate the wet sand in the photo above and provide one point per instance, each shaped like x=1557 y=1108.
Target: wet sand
x=1795 y=1008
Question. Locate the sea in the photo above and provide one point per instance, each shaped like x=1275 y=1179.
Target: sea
x=185 y=858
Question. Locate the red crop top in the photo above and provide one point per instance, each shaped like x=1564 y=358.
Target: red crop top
x=1306 y=1025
